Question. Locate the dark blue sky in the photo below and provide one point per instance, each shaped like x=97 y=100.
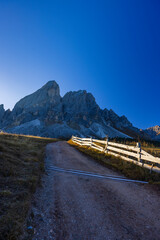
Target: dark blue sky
x=110 y=48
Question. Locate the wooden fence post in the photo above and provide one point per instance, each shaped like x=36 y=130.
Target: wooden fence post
x=81 y=142
x=91 y=142
x=139 y=152
x=106 y=146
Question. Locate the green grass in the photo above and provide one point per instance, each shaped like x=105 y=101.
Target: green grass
x=129 y=169
x=21 y=167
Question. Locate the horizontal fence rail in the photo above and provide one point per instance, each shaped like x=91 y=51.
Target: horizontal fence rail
x=128 y=153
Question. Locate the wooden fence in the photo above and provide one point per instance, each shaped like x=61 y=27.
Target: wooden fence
x=129 y=153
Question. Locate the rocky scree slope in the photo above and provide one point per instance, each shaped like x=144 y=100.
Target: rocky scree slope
x=46 y=113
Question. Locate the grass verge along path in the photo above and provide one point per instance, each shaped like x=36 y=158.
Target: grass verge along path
x=129 y=169
x=21 y=166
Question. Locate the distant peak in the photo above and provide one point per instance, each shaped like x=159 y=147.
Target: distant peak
x=82 y=91
x=1 y=106
x=77 y=92
x=51 y=83
x=154 y=127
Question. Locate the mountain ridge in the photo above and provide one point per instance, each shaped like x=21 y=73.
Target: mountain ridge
x=46 y=113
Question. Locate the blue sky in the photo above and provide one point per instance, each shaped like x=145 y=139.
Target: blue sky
x=109 y=48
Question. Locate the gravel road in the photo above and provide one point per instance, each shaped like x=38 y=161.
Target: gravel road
x=77 y=207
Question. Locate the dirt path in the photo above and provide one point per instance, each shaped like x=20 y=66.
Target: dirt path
x=86 y=208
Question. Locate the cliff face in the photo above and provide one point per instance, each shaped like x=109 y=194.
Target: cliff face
x=80 y=107
x=48 y=95
x=38 y=104
x=46 y=113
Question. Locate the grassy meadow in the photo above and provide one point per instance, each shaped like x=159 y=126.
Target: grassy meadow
x=21 y=166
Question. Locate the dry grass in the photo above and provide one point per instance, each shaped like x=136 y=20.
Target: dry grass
x=129 y=169
x=153 y=151
x=152 y=147
x=21 y=166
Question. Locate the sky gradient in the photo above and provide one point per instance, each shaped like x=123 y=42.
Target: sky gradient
x=109 y=48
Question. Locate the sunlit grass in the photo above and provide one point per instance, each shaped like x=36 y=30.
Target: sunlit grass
x=22 y=135
x=152 y=147
x=129 y=169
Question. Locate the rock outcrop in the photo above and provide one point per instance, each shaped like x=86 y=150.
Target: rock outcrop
x=153 y=132
x=46 y=113
x=2 y=111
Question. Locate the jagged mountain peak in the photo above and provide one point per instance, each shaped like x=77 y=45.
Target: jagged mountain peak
x=46 y=113
x=154 y=128
x=80 y=94
x=50 y=84
x=79 y=102
x=2 y=107
x=48 y=94
x=153 y=132
x=2 y=111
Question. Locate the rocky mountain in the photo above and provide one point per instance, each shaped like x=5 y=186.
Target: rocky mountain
x=2 y=111
x=153 y=132
x=46 y=113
